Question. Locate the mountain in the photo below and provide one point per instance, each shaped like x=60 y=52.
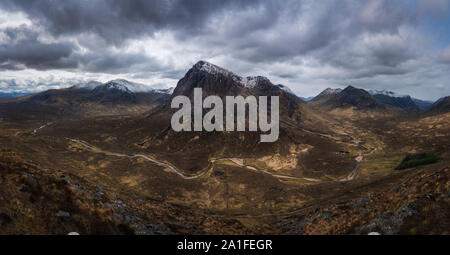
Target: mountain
x=440 y=106
x=191 y=151
x=423 y=104
x=365 y=100
x=349 y=97
x=359 y=98
x=87 y=99
x=215 y=80
x=326 y=93
x=405 y=102
x=400 y=101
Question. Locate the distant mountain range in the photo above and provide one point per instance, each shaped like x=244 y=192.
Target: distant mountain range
x=124 y=86
x=124 y=97
x=87 y=99
x=372 y=99
x=401 y=99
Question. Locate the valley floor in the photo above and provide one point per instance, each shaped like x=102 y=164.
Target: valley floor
x=57 y=179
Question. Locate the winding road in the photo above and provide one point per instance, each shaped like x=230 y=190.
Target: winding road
x=236 y=161
x=172 y=168
x=41 y=127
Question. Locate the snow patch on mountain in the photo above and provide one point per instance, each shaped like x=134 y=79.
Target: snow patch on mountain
x=119 y=85
x=89 y=85
x=330 y=91
x=213 y=69
x=130 y=86
x=125 y=86
x=250 y=81
x=168 y=91
x=285 y=89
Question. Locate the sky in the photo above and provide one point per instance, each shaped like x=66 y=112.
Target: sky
x=308 y=45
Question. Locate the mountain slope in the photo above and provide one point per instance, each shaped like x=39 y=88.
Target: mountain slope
x=405 y=102
x=440 y=106
x=46 y=201
x=416 y=206
x=423 y=104
x=329 y=92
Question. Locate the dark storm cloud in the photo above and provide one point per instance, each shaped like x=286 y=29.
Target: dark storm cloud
x=255 y=31
x=108 y=62
x=291 y=39
x=22 y=49
x=322 y=26
x=119 y=20
x=98 y=25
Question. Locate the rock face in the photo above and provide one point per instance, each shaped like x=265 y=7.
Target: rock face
x=218 y=81
x=215 y=80
x=212 y=79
